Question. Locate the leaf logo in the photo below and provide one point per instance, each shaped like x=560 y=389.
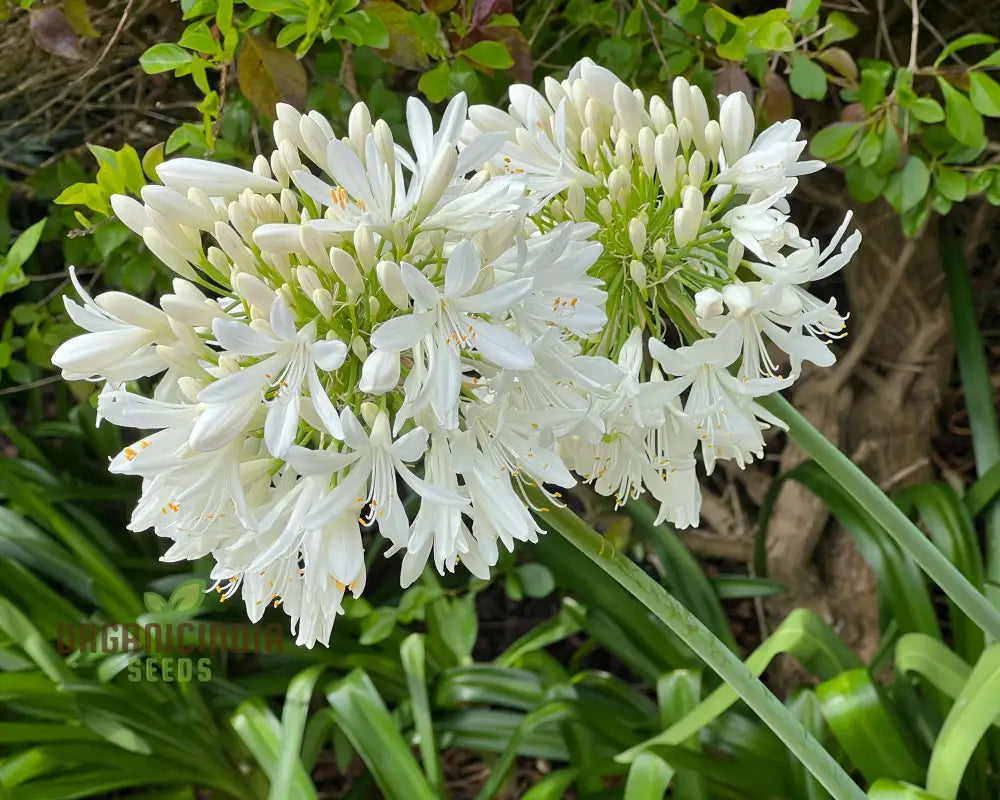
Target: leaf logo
x=187 y=596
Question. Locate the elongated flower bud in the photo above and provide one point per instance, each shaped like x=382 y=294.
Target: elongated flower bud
x=347 y=270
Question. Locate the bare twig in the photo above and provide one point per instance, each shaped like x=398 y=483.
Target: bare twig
x=107 y=48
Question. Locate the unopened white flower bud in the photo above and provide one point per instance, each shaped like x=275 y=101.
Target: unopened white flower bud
x=737 y=124
x=289 y=206
x=380 y=372
x=439 y=176
x=696 y=168
x=681 y=95
x=604 y=209
x=313 y=245
x=391 y=281
x=713 y=140
x=345 y=268
x=359 y=125
x=323 y=300
x=647 y=148
x=358 y=347
x=382 y=135
x=588 y=145
x=307 y=278
x=659 y=113
x=659 y=250
x=593 y=116
x=623 y=150
x=370 y=413
x=254 y=291
x=373 y=306
x=637 y=236
x=290 y=157
x=364 y=246
x=167 y=253
x=686 y=133
x=281 y=174
x=637 y=271
x=314 y=140
x=279 y=237
x=629 y=110
x=734 y=255
x=699 y=117
x=665 y=153
x=619 y=181
x=576 y=202
x=556 y=210
x=177 y=208
x=261 y=168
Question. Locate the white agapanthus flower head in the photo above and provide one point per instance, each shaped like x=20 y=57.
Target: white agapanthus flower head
x=369 y=339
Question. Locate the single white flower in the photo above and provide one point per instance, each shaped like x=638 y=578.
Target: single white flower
x=289 y=358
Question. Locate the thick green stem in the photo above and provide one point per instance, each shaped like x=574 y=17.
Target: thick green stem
x=887 y=514
x=713 y=652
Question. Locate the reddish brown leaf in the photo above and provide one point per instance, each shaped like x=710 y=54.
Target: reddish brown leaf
x=484 y=10
x=855 y=112
x=731 y=78
x=269 y=75
x=777 y=98
x=53 y=33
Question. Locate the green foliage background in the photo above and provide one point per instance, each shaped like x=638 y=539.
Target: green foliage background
x=547 y=679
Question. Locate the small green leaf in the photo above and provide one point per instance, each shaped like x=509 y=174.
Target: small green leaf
x=24 y=245
x=926 y=109
x=807 y=78
x=152 y=158
x=962 y=42
x=489 y=54
x=961 y=118
x=951 y=184
x=864 y=184
x=803 y=9
x=908 y=186
x=436 y=83
x=835 y=141
x=840 y=28
x=164 y=57
x=984 y=92
x=773 y=36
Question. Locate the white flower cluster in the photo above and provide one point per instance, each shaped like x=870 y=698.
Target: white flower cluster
x=469 y=319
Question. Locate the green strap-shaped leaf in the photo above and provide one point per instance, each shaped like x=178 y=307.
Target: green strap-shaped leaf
x=934 y=661
x=802 y=634
x=951 y=528
x=897 y=790
x=293 y=723
x=976 y=709
x=364 y=719
x=261 y=733
x=866 y=728
x=414 y=661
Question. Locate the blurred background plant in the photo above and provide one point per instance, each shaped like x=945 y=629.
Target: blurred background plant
x=545 y=681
